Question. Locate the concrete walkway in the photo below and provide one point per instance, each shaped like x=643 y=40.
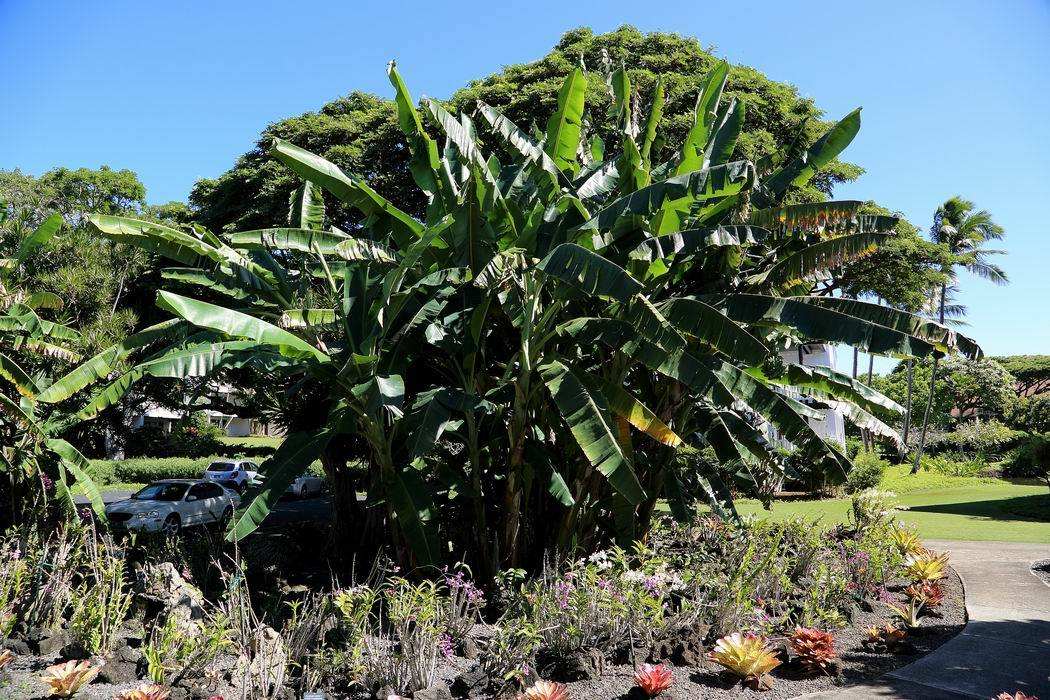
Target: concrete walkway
x=1005 y=645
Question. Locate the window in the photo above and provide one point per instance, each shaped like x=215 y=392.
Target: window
x=213 y=491
x=222 y=467
x=200 y=491
x=161 y=491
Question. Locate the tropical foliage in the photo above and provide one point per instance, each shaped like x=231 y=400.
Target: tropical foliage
x=37 y=409
x=518 y=366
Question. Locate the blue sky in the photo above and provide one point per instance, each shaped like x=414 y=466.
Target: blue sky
x=955 y=95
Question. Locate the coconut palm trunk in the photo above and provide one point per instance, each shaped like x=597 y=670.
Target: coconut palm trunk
x=933 y=386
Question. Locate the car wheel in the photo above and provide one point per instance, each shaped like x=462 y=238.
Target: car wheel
x=172 y=525
x=302 y=491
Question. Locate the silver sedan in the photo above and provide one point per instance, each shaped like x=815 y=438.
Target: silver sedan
x=168 y=506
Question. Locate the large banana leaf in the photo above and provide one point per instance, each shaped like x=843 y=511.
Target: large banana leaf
x=703 y=119
x=824 y=381
x=563 y=128
x=425 y=163
x=41 y=235
x=309 y=241
x=104 y=363
x=628 y=212
x=695 y=240
x=306 y=207
x=818 y=258
x=816 y=322
x=590 y=272
x=78 y=466
x=588 y=416
x=823 y=216
x=289 y=461
x=523 y=144
x=382 y=216
x=945 y=339
x=627 y=406
x=237 y=324
x=799 y=170
x=414 y=508
x=709 y=325
x=12 y=372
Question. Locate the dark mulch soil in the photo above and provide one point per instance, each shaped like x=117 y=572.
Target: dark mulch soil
x=858 y=664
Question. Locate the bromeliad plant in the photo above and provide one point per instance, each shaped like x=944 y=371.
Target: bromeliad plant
x=65 y=680
x=814 y=648
x=518 y=368
x=926 y=566
x=749 y=657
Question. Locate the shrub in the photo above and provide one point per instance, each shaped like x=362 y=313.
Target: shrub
x=1031 y=459
x=871 y=508
x=868 y=468
x=145 y=469
x=989 y=440
x=956 y=465
x=1031 y=414
x=192 y=436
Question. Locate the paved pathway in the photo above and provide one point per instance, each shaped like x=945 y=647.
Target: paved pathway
x=1005 y=645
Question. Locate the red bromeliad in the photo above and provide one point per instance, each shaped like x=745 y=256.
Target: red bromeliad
x=653 y=679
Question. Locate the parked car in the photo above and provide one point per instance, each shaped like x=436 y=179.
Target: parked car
x=306 y=485
x=172 y=504
x=239 y=474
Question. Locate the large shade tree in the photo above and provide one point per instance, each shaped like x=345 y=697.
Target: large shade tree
x=518 y=363
x=360 y=132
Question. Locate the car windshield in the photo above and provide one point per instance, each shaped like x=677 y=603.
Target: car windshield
x=161 y=492
x=222 y=467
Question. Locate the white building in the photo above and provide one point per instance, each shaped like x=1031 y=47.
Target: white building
x=833 y=425
x=231 y=424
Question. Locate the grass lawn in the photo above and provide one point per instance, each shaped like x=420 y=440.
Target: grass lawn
x=943 y=507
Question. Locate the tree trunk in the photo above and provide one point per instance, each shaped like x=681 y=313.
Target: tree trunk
x=907 y=402
x=351 y=529
x=929 y=399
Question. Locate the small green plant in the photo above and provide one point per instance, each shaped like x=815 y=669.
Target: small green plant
x=872 y=508
x=908 y=613
x=867 y=472
x=102 y=601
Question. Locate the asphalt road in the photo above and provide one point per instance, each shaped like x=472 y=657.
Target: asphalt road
x=287 y=510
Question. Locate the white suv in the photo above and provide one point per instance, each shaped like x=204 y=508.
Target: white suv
x=236 y=473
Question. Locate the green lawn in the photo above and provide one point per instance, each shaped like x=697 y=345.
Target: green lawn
x=943 y=507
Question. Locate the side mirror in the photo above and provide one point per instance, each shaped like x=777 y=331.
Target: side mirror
x=191 y=497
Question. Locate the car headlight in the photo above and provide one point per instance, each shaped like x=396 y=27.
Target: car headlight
x=149 y=514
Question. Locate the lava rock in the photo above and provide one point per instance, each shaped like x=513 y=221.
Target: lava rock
x=586 y=664
x=164 y=591
x=469 y=648
x=471 y=683
x=118 y=672
x=438 y=691
x=127 y=653
x=74 y=651
x=18 y=646
x=48 y=642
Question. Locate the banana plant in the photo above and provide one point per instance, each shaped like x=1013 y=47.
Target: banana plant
x=523 y=363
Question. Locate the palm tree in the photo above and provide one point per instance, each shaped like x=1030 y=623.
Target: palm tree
x=964 y=231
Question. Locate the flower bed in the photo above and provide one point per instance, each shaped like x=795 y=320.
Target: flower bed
x=702 y=610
